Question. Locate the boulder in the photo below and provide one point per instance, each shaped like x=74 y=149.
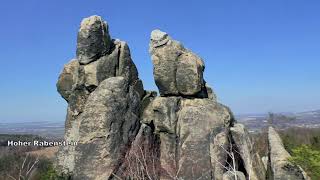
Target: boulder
x=189 y=74
x=281 y=167
x=177 y=71
x=68 y=78
x=93 y=39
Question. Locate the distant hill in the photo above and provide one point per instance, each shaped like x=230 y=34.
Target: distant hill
x=45 y=129
x=255 y=122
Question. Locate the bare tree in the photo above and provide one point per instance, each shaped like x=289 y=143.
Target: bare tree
x=139 y=164
x=229 y=166
x=26 y=169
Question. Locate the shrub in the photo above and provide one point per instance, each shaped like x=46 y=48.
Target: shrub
x=308 y=159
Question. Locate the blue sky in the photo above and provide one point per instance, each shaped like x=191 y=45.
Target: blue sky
x=260 y=55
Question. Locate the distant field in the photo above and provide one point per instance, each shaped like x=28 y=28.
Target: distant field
x=254 y=123
x=42 y=128
x=257 y=122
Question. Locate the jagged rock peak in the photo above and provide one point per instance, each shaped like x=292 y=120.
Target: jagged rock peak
x=93 y=39
x=177 y=70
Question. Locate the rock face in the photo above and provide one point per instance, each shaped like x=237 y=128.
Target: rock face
x=186 y=129
x=252 y=162
x=278 y=158
x=231 y=175
x=123 y=131
x=107 y=126
x=103 y=92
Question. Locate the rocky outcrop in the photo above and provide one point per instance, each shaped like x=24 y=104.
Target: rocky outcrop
x=193 y=129
x=103 y=92
x=125 y=132
x=281 y=167
x=186 y=129
x=108 y=125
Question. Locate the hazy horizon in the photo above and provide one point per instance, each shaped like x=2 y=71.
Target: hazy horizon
x=259 y=56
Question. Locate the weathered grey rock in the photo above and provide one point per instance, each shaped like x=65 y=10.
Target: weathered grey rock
x=158 y=38
x=126 y=68
x=281 y=168
x=147 y=113
x=231 y=175
x=93 y=39
x=211 y=94
x=76 y=95
x=66 y=154
x=165 y=122
x=127 y=132
x=252 y=162
x=189 y=78
x=68 y=79
x=218 y=154
x=186 y=129
x=98 y=58
x=164 y=54
x=108 y=125
x=200 y=120
x=101 y=69
x=165 y=114
x=176 y=69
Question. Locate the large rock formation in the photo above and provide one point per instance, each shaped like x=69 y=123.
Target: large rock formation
x=281 y=167
x=103 y=92
x=125 y=132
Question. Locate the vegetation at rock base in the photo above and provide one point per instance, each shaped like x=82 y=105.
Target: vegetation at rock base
x=14 y=165
x=308 y=159
x=302 y=143
x=18 y=163
x=294 y=137
x=304 y=146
